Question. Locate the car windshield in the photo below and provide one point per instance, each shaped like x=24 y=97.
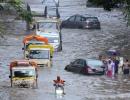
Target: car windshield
x=39 y=54
x=24 y=73
x=94 y=63
x=47 y=25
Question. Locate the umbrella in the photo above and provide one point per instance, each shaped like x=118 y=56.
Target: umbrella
x=112 y=53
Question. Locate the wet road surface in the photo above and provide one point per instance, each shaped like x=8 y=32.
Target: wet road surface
x=76 y=44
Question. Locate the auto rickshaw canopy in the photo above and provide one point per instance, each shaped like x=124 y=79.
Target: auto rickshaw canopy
x=35 y=37
x=22 y=63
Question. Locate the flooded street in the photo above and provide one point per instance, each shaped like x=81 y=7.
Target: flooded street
x=77 y=43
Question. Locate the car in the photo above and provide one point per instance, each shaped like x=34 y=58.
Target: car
x=86 y=66
x=81 y=22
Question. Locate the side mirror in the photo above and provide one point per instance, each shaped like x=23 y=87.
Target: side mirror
x=9 y=76
x=22 y=48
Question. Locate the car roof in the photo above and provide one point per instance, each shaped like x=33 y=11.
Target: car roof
x=92 y=18
x=78 y=15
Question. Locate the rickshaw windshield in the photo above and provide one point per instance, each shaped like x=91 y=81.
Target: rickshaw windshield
x=24 y=73
x=39 y=54
x=53 y=39
x=47 y=25
x=33 y=42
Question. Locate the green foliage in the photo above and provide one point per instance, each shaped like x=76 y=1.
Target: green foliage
x=107 y=6
x=21 y=10
x=19 y=7
x=96 y=2
x=26 y=15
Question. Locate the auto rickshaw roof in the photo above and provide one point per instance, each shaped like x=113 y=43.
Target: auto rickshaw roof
x=23 y=63
x=35 y=37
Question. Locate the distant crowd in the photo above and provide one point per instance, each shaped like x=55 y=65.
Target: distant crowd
x=115 y=65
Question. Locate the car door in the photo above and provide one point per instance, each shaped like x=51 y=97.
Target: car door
x=83 y=22
x=78 y=66
x=78 y=22
x=70 y=23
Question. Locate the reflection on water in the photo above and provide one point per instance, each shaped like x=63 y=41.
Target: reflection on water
x=76 y=44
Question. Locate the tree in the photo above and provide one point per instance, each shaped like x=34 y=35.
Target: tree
x=23 y=10
x=108 y=4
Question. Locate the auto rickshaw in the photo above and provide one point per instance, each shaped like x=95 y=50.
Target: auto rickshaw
x=42 y=54
x=33 y=39
x=23 y=73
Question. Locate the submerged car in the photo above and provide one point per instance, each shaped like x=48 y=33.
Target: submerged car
x=86 y=66
x=79 y=21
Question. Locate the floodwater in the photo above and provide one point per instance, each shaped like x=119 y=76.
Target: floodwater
x=77 y=43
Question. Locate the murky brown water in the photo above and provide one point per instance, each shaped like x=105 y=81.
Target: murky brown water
x=76 y=44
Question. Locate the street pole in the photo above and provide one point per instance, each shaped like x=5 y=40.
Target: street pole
x=56 y=3
x=27 y=21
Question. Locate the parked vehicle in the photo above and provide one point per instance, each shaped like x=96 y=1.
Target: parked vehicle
x=42 y=54
x=33 y=39
x=79 y=21
x=86 y=66
x=54 y=40
x=23 y=73
x=50 y=28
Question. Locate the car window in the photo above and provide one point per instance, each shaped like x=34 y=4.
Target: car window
x=83 y=19
x=94 y=63
x=72 y=18
x=79 y=62
x=78 y=19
